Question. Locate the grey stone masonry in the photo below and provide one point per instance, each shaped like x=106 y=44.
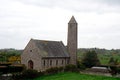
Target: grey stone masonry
x=72 y=40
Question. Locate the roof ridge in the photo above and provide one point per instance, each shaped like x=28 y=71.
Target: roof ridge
x=45 y=40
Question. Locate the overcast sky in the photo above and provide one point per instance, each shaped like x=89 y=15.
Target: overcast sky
x=98 y=22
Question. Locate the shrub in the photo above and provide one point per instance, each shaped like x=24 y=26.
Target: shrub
x=71 y=68
x=3 y=69
x=11 y=69
x=60 y=69
x=41 y=73
x=14 y=69
x=52 y=70
x=80 y=66
x=30 y=74
x=0 y=73
x=114 y=70
x=27 y=74
x=17 y=76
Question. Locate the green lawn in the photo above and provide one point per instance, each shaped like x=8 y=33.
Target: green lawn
x=74 y=76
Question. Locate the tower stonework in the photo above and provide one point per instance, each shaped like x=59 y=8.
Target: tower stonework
x=72 y=40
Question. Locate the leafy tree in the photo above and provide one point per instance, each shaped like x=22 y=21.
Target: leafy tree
x=5 y=54
x=113 y=66
x=90 y=59
x=13 y=59
x=113 y=61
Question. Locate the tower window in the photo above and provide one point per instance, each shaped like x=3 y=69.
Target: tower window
x=44 y=63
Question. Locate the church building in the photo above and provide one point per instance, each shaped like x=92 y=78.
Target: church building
x=43 y=54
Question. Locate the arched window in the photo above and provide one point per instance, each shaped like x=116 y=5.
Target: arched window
x=30 y=64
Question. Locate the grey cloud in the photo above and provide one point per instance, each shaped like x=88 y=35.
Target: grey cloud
x=44 y=3
x=111 y=2
x=20 y=23
x=78 y=5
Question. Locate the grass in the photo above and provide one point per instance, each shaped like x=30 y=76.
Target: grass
x=75 y=76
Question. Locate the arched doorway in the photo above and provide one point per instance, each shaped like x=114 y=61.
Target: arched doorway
x=30 y=64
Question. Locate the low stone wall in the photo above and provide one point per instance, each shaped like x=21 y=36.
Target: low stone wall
x=97 y=71
x=5 y=78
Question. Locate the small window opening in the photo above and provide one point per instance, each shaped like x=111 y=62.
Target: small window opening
x=44 y=63
x=56 y=62
x=68 y=61
x=50 y=62
x=30 y=50
x=62 y=61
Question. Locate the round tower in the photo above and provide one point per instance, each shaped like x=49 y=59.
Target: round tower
x=72 y=40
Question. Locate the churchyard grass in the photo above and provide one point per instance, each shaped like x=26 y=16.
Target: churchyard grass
x=74 y=76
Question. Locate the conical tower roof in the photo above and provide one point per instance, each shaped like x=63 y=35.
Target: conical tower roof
x=72 y=20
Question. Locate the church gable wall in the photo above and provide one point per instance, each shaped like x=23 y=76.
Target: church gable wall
x=31 y=53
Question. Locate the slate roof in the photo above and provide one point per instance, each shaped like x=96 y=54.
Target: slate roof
x=51 y=48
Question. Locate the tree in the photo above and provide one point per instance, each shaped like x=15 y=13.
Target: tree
x=113 y=66
x=113 y=61
x=90 y=59
x=14 y=59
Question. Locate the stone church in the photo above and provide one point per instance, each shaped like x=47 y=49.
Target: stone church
x=43 y=54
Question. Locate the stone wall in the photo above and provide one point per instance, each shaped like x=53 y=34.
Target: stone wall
x=54 y=62
x=72 y=40
x=31 y=53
